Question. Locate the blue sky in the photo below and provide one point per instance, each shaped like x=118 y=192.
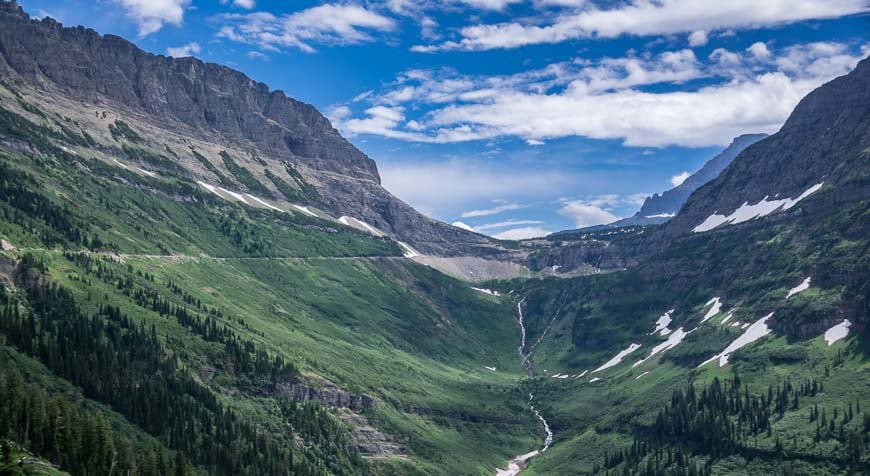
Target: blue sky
x=516 y=117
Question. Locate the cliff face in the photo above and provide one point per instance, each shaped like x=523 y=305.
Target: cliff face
x=825 y=140
x=207 y=100
x=93 y=68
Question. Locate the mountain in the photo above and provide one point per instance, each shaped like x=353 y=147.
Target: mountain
x=641 y=369
x=661 y=208
x=172 y=101
x=824 y=143
x=186 y=296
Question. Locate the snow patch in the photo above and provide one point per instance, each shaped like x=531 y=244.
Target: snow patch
x=662 y=215
x=618 y=357
x=717 y=306
x=748 y=212
x=120 y=164
x=673 y=341
x=237 y=196
x=146 y=172
x=662 y=324
x=840 y=331
x=359 y=225
x=641 y=375
x=756 y=330
x=304 y=210
x=486 y=291
x=729 y=316
x=803 y=286
x=594 y=379
x=491 y=369
x=263 y=202
x=409 y=252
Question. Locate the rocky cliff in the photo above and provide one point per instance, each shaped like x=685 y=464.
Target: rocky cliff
x=826 y=140
x=214 y=103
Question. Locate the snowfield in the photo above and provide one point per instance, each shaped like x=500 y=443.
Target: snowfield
x=304 y=210
x=748 y=212
x=662 y=324
x=486 y=291
x=840 y=331
x=755 y=331
x=618 y=358
x=263 y=202
x=673 y=341
x=717 y=306
x=409 y=252
x=803 y=286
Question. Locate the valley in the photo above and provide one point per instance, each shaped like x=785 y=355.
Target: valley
x=201 y=276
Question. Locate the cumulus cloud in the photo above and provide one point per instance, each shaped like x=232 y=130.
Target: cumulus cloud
x=698 y=38
x=678 y=179
x=584 y=213
x=759 y=50
x=743 y=91
x=644 y=17
x=330 y=24
x=151 y=15
x=190 y=49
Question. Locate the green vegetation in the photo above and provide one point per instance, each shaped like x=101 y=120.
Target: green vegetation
x=211 y=168
x=121 y=130
x=245 y=176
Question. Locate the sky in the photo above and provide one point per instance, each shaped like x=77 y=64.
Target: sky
x=516 y=118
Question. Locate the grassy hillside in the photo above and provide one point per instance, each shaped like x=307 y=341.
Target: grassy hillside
x=613 y=424
x=239 y=307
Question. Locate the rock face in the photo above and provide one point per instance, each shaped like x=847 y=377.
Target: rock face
x=207 y=99
x=328 y=394
x=825 y=139
x=661 y=208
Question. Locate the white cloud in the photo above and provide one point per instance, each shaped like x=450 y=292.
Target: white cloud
x=490 y=4
x=743 y=93
x=698 y=38
x=444 y=189
x=644 y=17
x=492 y=211
x=246 y=4
x=678 y=179
x=523 y=233
x=151 y=15
x=636 y=199
x=258 y=55
x=190 y=49
x=534 y=142
x=584 y=214
x=507 y=223
x=759 y=50
x=330 y=24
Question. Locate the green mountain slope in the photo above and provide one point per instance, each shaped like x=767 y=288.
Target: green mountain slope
x=178 y=302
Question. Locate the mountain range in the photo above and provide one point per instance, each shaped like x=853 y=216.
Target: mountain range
x=200 y=275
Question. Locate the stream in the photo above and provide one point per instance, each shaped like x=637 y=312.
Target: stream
x=516 y=465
